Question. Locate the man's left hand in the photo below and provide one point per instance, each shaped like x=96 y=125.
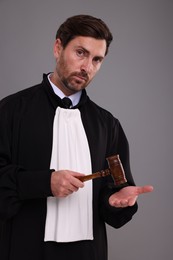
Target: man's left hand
x=127 y=196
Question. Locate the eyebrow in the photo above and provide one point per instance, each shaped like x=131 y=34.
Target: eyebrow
x=88 y=52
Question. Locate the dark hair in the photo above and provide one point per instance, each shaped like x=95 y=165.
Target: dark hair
x=84 y=25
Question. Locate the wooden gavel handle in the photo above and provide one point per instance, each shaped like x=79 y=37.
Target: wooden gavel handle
x=95 y=175
x=115 y=170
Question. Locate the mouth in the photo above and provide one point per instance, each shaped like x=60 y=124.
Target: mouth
x=81 y=77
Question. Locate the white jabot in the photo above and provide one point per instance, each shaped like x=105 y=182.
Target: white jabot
x=70 y=219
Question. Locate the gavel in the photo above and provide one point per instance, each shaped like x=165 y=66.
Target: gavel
x=115 y=169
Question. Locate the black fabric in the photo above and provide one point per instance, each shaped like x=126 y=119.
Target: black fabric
x=67 y=102
x=26 y=123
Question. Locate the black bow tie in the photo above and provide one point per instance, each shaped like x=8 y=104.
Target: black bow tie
x=67 y=102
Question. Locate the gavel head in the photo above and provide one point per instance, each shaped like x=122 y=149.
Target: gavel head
x=116 y=170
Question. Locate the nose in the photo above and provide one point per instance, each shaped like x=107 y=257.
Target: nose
x=86 y=65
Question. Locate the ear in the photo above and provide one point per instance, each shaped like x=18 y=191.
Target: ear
x=57 y=48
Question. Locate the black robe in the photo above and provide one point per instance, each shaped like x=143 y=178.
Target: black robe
x=26 y=121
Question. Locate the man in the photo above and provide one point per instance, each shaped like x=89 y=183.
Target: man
x=46 y=212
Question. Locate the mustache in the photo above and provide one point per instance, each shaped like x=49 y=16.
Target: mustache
x=82 y=74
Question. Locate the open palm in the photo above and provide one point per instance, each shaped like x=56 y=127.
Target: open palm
x=127 y=196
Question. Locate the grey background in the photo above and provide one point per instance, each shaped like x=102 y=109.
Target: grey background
x=134 y=83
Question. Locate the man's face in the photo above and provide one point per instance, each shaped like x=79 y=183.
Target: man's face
x=77 y=63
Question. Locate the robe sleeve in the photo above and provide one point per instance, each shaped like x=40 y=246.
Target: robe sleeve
x=16 y=184
x=117 y=217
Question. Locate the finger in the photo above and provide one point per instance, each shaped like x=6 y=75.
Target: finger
x=75 y=181
x=145 y=189
x=71 y=187
x=124 y=203
x=77 y=174
x=114 y=202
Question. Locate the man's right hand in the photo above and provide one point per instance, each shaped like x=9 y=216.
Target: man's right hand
x=64 y=183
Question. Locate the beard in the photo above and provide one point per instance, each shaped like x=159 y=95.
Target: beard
x=72 y=81
x=75 y=81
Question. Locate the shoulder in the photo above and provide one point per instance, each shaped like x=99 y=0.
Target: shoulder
x=15 y=99
x=14 y=105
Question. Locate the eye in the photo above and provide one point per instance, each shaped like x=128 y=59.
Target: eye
x=98 y=59
x=80 y=52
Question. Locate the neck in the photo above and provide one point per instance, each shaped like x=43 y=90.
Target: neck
x=59 y=84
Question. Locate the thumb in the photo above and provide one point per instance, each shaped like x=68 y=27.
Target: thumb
x=145 y=189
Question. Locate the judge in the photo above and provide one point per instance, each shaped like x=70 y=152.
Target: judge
x=46 y=143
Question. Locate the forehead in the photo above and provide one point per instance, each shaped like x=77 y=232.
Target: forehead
x=95 y=47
